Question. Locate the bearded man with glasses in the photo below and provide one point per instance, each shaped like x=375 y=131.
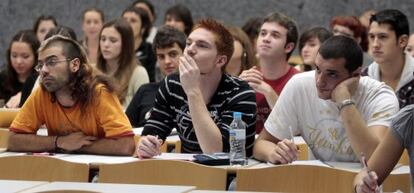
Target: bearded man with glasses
x=79 y=108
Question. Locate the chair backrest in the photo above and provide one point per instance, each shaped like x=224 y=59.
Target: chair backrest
x=4 y=138
x=404 y=159
x=178 y=146
x=295 y=178
x=42 y=168
x=309 y=179
x=7 y=116
x=401 y=181
x=303 y=152
x=164 y=172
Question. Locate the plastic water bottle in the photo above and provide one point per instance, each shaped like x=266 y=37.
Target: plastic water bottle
x=237 y=140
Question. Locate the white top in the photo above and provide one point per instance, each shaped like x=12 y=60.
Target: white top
x=152 y=33
x=138 y=78
x=406 y=75
x=318 y=120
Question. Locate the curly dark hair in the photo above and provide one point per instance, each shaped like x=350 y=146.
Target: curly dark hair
x=83 y=82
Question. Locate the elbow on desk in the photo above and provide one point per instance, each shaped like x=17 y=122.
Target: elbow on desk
x=129 y=147
x=12 y=144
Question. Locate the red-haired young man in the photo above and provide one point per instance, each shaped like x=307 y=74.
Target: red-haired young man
x=200 y=100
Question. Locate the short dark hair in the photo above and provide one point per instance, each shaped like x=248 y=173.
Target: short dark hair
x=343 y=47
x=181 y=13
x=166 y=37
x=393 y=17
x=316 y=32
x=145 y=20
x=289 y=24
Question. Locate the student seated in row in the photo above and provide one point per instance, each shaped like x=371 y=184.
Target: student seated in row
x=388 y=153
x=388 y=35
x=116 y=59
x=169 y=44
x=80 y=110
x=200 y=100
x=338 y=113
x=21 y=60
x=275 y=44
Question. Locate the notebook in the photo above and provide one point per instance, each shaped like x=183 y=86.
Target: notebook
x=7 y=116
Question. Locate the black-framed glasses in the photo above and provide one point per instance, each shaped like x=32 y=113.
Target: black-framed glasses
x=49 y=63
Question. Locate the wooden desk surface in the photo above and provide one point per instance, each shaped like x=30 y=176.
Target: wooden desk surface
x=398 y=179
x=95 y=160
x=106 y=187
x=217 y=191
x=17 y=185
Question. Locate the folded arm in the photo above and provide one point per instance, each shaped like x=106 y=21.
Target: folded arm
x=73 y=142
x=30 y=143
x=106 y=146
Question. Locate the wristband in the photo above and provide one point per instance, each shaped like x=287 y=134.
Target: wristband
x=57 y=149
x=345 y=103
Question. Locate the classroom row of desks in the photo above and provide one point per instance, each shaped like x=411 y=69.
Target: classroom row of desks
x=394 y=181
x=94 y=161
x=18 y=186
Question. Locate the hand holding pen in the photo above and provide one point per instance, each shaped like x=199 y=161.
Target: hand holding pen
x=148 y=146
x=285 y=152
x=369 y=180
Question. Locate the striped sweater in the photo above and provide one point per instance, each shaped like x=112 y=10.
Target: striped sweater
x=171 y=111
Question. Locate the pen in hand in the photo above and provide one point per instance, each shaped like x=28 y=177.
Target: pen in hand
x=365 y=165
x=292 y=138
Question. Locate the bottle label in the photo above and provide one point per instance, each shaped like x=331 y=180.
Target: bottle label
x=238 y=134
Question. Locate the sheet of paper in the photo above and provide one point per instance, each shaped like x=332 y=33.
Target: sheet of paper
x=175 y=156
x=402 y=169
x=88 y=159
x=138 y=130
x=310 y=163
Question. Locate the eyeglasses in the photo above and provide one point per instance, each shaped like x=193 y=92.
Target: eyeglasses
x=49 y=63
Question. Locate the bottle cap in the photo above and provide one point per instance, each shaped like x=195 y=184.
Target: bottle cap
x=237 y=115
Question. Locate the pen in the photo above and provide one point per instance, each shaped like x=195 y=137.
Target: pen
x=292 y=138
x=364 y=161
x=365 y=164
